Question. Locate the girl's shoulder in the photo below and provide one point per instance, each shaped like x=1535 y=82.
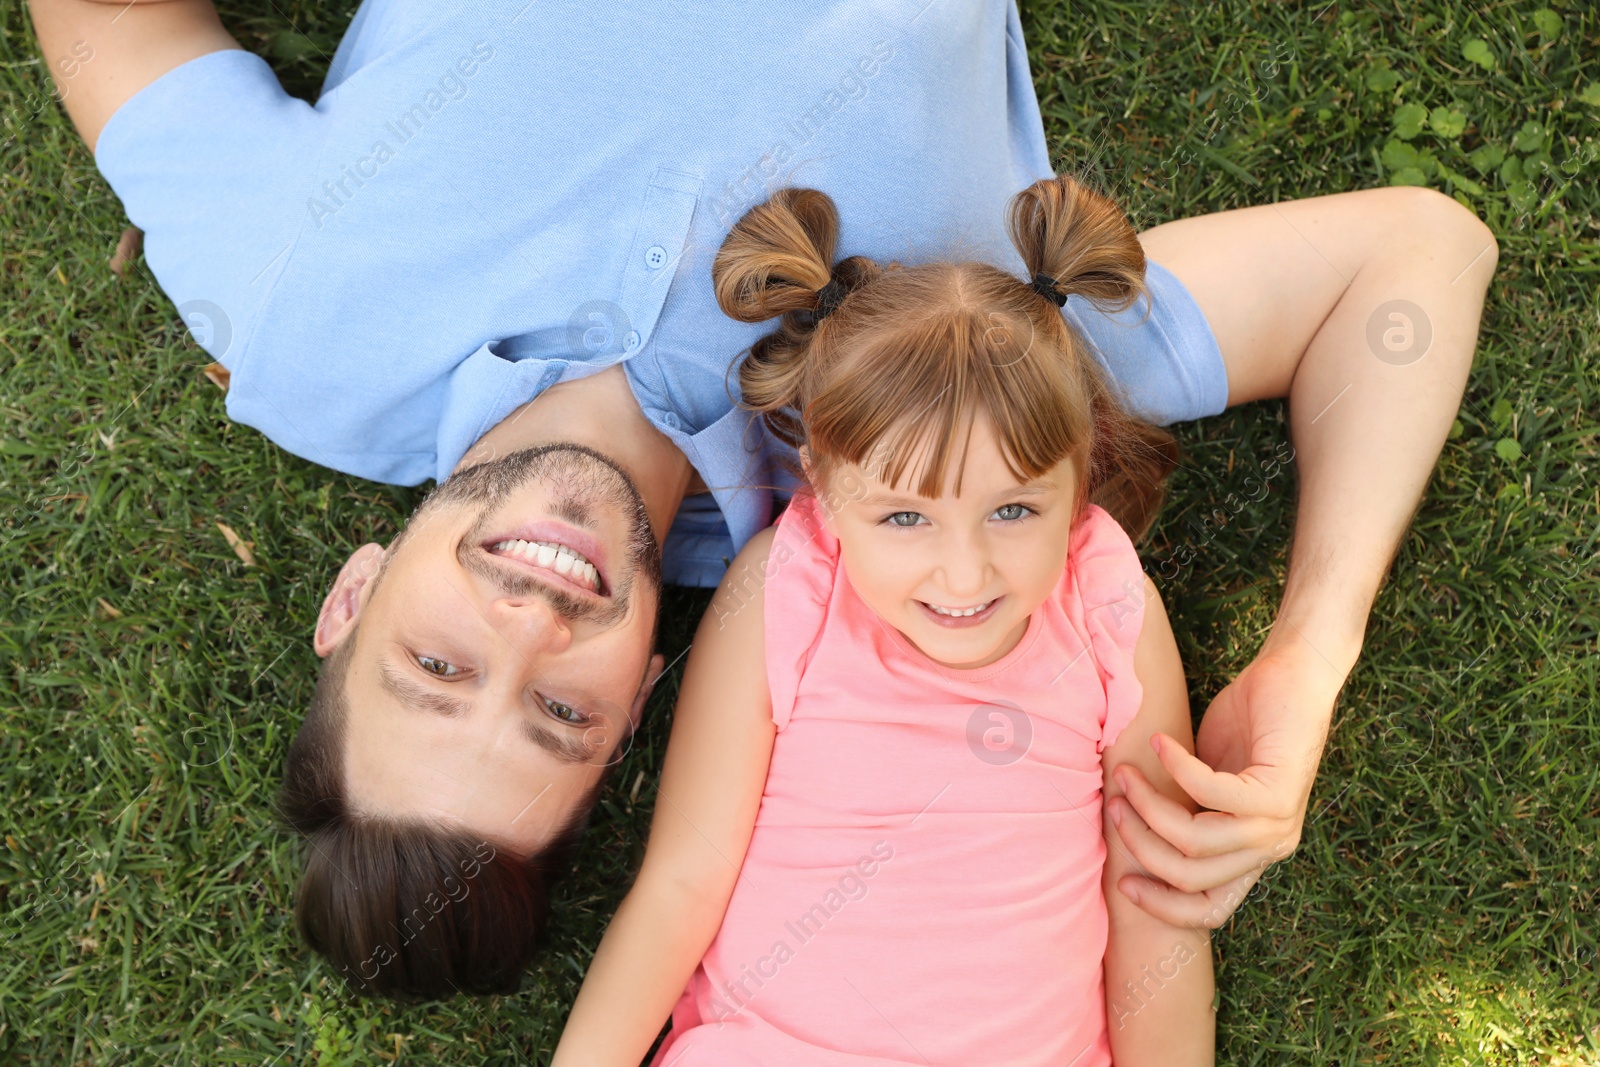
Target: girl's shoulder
x=1105 y=592
x=799 y=574
x=1103 y=567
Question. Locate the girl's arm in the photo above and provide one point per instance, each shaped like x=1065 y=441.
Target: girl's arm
x=1159 y=985
x=711 y=785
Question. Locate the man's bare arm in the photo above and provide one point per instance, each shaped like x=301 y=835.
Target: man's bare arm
x=101 y=52
x=1363 y=309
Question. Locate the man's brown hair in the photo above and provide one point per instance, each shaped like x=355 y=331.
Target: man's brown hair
x=404 y=908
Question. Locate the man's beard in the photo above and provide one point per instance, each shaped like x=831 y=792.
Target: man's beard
x=582 y=483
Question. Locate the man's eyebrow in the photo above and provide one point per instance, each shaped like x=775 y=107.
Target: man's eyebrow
x=563 y=747
x=418 y=697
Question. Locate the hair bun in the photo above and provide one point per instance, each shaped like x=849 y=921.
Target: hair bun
x=829 y=297
x=1049 y=288
x=777 y=257
x=1080 y=241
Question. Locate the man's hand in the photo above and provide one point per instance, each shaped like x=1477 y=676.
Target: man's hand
x=1288 y=289
x=1257 y=753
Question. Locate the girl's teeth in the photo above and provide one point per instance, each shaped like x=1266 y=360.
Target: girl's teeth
x=961 y=613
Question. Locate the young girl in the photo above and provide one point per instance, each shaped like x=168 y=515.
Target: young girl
x=879 y=835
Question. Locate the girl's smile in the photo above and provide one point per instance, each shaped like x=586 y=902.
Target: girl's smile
x=959 y=618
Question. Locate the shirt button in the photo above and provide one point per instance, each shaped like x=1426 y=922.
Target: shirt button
x=655 y=257
x=632 y=340
x=669 y=419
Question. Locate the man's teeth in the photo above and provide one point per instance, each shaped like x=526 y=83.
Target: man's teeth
x=553 y=557
x=959 y=613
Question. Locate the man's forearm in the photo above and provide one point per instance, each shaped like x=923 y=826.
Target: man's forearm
x=1386 y=288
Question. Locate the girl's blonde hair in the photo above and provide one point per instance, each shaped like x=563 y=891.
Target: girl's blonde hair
x=912 y=353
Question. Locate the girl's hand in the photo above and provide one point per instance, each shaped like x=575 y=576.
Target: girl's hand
x=1258 y=749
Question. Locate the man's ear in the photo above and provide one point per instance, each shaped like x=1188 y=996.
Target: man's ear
x=344 y=601
x=658 y=666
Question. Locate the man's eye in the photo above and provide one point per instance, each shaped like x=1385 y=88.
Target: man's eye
x=1012 y=512
x=564 y=712
x=428 y=663
x=904 y=518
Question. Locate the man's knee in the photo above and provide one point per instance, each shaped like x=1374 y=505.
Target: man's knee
x=1442 y=221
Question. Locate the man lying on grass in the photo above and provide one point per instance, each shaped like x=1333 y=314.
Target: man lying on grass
x=484 y=257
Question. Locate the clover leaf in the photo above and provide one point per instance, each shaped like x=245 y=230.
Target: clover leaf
x=1408 y=120
x=1477 y=51
x=1397 y=154
x=1381 y=79
x=1486 y=158
x=1447 y=121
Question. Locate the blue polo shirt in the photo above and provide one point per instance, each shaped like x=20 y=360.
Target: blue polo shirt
x=490 y=197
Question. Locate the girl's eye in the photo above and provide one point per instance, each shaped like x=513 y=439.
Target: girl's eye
x=564 y=712
x=904 y=518
x=1012 y=512
x=425 y=661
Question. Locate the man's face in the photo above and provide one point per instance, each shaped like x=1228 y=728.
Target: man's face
x=501 y=659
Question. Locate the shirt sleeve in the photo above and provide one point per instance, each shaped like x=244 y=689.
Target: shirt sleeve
x=1161 y=353
x=1110 y=585
x=212 y=161
x=802 y=568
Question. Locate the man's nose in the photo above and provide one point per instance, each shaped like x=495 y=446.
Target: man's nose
x=532 y=624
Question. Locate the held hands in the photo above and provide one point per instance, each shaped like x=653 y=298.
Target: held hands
x=1258 y=748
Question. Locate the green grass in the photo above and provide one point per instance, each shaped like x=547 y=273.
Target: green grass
x=1442 y=908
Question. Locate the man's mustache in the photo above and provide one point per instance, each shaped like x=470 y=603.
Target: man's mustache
x=570 y=607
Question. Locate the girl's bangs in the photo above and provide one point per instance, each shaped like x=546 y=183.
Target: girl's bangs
x=903 y=407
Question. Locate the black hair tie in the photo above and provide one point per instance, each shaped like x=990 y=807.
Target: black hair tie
x=829 y=297
x=1045 y=286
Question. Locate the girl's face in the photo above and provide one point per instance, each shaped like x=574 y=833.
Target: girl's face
x=957 y=576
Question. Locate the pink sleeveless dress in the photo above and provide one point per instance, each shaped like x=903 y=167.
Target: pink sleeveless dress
x=923 y=882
